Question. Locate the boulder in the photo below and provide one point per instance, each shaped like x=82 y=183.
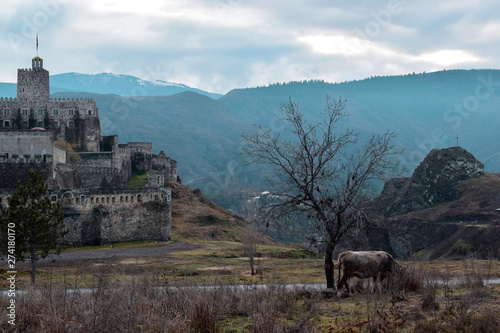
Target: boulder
x=433 y=182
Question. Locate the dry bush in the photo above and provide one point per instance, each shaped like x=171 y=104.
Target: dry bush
x=429 y=299
x=272 y=308
x=109 y=305
x=431 y=326
x=485 y=320
x=381 y=318
x=474 y=278
x=410 y=278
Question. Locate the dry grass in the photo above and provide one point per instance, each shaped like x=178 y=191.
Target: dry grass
x=138 y=306
x=152 y=295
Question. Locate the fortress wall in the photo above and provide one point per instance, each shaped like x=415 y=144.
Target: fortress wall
x=25 y=143
x=72 y=120
x=141 y=156
x=109 y=143
x=33 y=83
x=97 y=217
x=84 y=132
x=11 y=173
x=65 y=176
x=122 y=161
x=92 y=177
x=166 y=164
x=59 y=155
x=96 y=159
x=55 y=108
x=141 y=147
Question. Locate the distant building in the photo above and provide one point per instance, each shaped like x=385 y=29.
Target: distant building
x=86 y=172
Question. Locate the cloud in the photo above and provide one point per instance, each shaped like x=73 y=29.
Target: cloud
x=449 y=57
x=218 y=45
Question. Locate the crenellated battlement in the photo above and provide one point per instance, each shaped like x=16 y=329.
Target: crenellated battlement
x=73 y=100
x=25 y=159
x=28 y=70
x=8 y=100
x=61 y=102
x=101 y=197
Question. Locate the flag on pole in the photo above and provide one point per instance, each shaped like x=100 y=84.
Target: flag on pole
x=37 y=43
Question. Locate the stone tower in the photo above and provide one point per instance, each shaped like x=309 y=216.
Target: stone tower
x=33 y=84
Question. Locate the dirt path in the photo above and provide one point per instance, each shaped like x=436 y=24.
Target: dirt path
x=110 y=253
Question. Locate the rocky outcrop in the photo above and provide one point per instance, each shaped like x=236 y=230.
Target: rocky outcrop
x=434 y=181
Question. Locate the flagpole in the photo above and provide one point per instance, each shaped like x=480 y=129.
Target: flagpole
x=37 y=44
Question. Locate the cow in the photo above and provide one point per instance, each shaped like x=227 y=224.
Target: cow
x=365 y=264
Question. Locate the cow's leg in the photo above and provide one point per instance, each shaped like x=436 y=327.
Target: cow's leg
x=378 y=280
x=343 y=282
x=374 y=284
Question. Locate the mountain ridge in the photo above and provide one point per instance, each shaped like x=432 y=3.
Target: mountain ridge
x=204 y=134
x=109 y=83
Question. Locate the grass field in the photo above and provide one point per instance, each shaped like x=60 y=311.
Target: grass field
x=210 y=262
x=160 y=293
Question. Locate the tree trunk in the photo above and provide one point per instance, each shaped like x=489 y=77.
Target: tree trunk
x=33 y=267
x=329 y=267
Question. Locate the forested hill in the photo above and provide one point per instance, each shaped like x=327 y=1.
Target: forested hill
x=204 y=135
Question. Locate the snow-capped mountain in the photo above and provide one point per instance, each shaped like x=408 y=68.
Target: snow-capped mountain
x=108 y=83
x=118 y=84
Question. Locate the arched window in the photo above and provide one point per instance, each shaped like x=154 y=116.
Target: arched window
x=6 y=123
x=67 y=198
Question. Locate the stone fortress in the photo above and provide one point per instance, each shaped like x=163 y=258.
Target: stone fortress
x=87 y=173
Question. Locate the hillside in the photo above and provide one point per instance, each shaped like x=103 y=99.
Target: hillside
x=425 y=111
x=448 y=208
x=195 y=216
x=463 y=227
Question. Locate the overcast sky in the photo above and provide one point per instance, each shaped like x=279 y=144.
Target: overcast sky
x=218 y=45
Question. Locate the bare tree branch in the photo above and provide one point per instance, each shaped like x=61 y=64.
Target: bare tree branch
x=315 y=176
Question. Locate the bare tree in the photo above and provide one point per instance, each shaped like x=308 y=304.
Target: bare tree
x=316 y=179
x=250 y=212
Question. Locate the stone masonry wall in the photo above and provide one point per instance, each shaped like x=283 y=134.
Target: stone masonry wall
x=164 y=163
x=25 y=143
x=33 y=83
x=95 y=218
x=72 y=120
x=11 y=173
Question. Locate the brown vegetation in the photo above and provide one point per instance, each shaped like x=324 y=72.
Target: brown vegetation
x=422 y=300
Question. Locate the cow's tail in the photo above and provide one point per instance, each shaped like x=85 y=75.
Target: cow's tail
x=340 y=268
